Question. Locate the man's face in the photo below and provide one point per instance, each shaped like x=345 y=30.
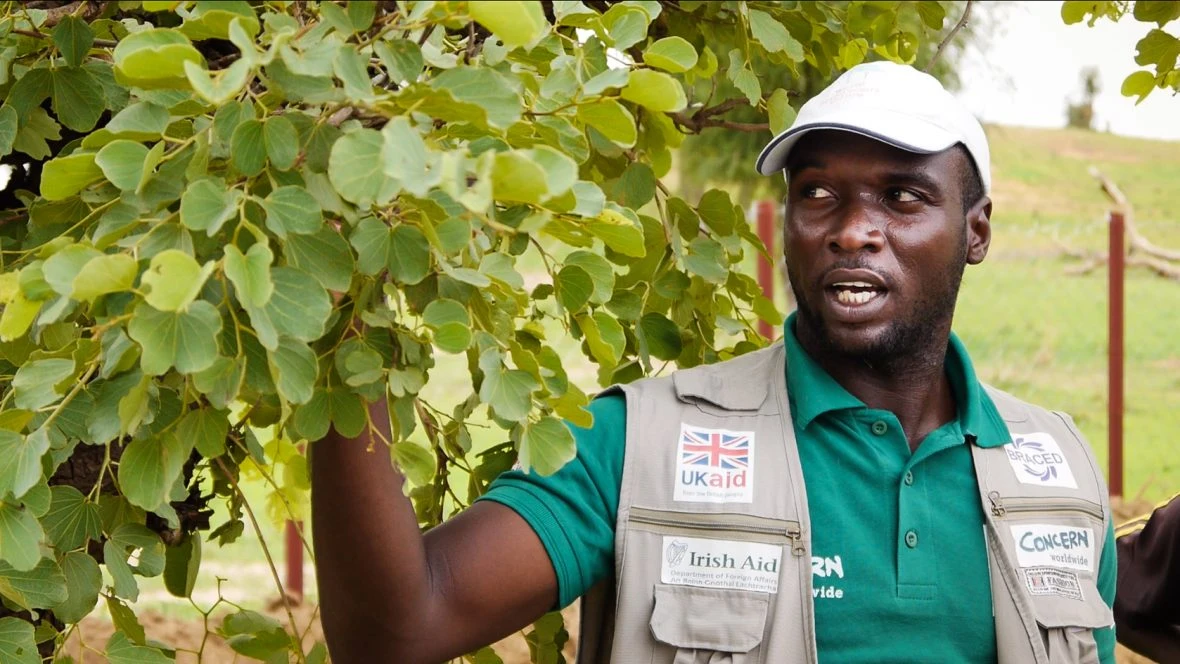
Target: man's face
x=876 y=240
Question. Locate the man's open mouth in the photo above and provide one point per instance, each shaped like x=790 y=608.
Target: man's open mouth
x=854 y=293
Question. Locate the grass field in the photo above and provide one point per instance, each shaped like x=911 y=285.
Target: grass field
x=1032 y=329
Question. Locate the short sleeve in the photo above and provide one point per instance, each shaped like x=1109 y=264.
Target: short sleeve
x=573 y=511
x=1107 y=578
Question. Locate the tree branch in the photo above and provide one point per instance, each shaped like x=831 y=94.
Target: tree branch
x=947 y=40
x=704 y=118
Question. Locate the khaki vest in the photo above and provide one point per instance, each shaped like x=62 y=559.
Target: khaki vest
x=674 y=598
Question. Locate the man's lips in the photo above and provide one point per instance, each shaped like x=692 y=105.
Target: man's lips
x=853 y=295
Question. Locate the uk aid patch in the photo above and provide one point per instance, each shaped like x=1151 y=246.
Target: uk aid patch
x=1037 y=459
x=714 y=466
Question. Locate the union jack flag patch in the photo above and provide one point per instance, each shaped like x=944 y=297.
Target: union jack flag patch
x=714 y=465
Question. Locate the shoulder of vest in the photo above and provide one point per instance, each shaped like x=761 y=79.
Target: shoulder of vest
x=740 y=383
x=1021 y=414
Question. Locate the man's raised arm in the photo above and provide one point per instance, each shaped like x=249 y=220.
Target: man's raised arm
x=390 y=594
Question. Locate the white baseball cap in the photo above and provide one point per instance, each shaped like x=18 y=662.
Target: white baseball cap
x=893 y=103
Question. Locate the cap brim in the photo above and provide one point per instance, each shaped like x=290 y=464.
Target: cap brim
x=906 y=134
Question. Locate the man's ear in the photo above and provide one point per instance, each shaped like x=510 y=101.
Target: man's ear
x=979 y=230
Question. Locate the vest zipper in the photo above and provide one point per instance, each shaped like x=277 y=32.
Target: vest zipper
x=1001 y=506
x=736 y=524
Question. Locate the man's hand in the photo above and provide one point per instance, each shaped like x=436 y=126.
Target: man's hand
x=390 y=594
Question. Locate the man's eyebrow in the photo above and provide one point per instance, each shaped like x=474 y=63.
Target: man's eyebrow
x=804 y=163
x=915 y=177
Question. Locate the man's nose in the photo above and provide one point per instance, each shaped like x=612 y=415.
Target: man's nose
x=856 y=229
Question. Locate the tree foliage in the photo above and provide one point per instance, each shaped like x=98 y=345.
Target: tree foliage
x=232 y=225
x=1157 y=51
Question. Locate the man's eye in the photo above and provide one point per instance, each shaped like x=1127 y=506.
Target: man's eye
x=904 y=196
x=816 y=192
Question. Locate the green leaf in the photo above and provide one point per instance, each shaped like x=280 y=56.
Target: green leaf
x=351 y=68
x=507 y=391
x=409 y=254
x=453 y=337
x=291 y=209
x=299 y=307
x=36 y=383
x=282 y=142
x=248 y=148
x=1160 y=12
x=1138 y=84
x=41 y=587
x=207 y=204
x=186 y=340
x=9 y=124
x=221 y=382
x=78 y=100
x=773 y=35
x=932 y=13
x=853 y=52
x=122 y=162
x=324 y=255
x=250 y=273
x=17 y=644
x=211 y=20
x=220 y=86
x=604 y=338
x=517 y=178
x=655 y=91
x=444 y=311
x=625 y=25
x=618 y=232
x=293 y=367
x=20 y=460
x=574 y=288
x=743 y=77
x=1158 y=48
x=174 y=280
x=600 y=271
x=256 y=636
x=782 y=116
x=109 y=273
x=718 y=211
x=20 y=538
x=65 y=176
x=182 y=563
x=73 y=37
x=486 y=88
x=516 y=23
x=83 y=583
x=636 y=187
x=673 y=54
x=612 y=119
x=417 y=463
x=707 y=259
x=356 y=168
x=361 y=14
x=61 y=270
x=35 y=131
x=372 y=241
x=402 y=59
x=661 y=335
x=546 y=446
x=18 y=316
x=121 y=650
x=71 y=520
x=206 y=429
x=149 y=466
x=141 y=121
x=154 y=58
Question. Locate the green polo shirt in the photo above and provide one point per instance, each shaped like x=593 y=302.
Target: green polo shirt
x=897 y=538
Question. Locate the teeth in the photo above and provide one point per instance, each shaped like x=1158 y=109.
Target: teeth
x=854 y=297
x=854 y=284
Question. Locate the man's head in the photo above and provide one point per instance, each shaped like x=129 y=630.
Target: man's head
x=887 y=202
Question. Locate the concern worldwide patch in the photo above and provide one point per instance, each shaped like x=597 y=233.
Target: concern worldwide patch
x=1052 y=545
x=1036 y=459
x=714 y=466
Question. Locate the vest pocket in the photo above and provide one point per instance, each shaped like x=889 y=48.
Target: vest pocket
x=708 y=625
x=1067 y=625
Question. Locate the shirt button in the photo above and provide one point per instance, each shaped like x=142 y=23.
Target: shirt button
x=880 y=428
x=911 y=539
x=909 y=477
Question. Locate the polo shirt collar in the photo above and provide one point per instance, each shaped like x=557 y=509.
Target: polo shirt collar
x=814 y=392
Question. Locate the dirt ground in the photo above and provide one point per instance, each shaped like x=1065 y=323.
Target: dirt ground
x=202 y=648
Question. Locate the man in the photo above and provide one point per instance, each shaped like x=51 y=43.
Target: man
x=853 y=494
x=1147 y=609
